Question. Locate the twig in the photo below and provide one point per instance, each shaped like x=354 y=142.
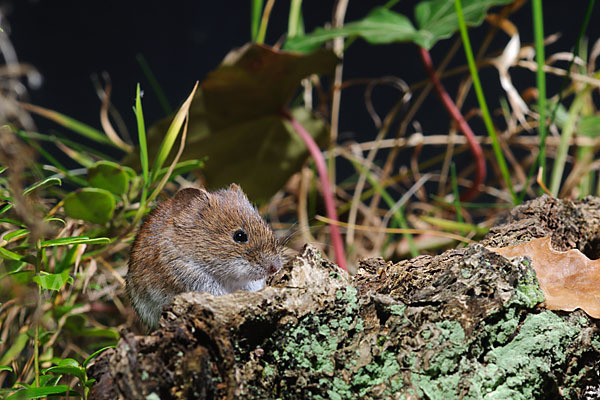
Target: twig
x=315 y=152
x=480 y=171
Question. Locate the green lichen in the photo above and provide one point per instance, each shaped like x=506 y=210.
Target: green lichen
x=450 y=349
x=380 y=370
x=348 y=295
x=397 y=309
x=341 y=390
x=516 y=369
x=439 y=388
x=527 y=292
x=268 y=371
x=359 y=327
x=501 y=331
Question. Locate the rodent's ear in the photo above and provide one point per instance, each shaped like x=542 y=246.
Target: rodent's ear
x=185 y=196
x=236 y=188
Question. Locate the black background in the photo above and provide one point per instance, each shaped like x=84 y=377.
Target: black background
x=68 y=40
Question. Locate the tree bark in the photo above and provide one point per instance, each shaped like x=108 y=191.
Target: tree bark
x=468 y=323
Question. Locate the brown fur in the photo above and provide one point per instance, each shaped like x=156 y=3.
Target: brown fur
x=186 y=244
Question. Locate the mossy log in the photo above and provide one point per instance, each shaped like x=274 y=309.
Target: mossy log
x=466 y=324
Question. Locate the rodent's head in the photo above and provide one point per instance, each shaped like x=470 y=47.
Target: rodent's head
x=223 y=231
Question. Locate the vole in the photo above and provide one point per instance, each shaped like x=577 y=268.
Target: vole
x=199 y=241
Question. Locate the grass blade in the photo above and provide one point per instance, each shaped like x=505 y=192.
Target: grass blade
x=181 y=117
x=43 y=183
x=71 y=124
x=565 y=138
x=256 y=12
x=170 y=137
x=487 y=119
x=139 y=116
x=540 y=57
x=264 y=21
x=158 y=92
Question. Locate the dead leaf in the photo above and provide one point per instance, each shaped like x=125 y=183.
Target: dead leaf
x=236 y=121
x=569 y=279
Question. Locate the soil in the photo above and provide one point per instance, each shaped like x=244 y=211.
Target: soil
x=466 y=324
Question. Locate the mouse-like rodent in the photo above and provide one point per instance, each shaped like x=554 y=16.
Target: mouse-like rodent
x=199 y=241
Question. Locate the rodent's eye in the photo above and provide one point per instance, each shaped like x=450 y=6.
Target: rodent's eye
x=240 y=236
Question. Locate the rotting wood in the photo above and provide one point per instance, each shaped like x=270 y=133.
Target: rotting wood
x=464 y=324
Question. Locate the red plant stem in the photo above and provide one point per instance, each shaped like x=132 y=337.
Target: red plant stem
x=454 y=112
x=315 y=152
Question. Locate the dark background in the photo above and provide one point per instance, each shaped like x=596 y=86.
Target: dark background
x=69 y=40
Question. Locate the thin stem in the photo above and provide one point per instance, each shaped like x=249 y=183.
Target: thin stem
x=336 y=97
x=257 y=6
x=565 y=80
x=540 y=57
x=315 y=152
x=262 y=31
x=480 y=168
x=487 y=119
x=295 y=18
x=565 y=138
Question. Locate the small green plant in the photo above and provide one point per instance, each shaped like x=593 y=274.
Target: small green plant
x=59 y=225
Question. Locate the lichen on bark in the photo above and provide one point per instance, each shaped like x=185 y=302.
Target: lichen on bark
x=465 y=324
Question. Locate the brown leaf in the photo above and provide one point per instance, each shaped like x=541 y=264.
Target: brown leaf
x=568 y=279
x=236 y=121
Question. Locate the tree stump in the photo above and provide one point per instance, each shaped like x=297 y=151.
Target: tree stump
x=468 y=323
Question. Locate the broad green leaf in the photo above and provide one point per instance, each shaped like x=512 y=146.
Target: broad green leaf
x=589 y=126
x=68 y=366
x=75 y=240
x=437 y=19
x=68 y=362
x=379 y=26
x=41 y=184
x=53 y=281
x=90 y=204
x=110 y=176
x=129 y=171
x=75 y=371
x=236 y=121
x=36 y=393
